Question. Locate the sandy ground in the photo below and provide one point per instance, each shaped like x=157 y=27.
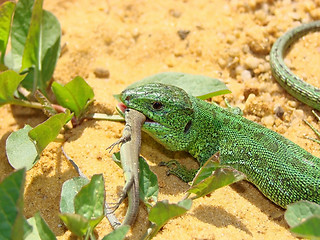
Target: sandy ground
x=229 y=40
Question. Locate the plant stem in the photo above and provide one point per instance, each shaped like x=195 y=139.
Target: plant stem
x=102 y=116
x=26 y=103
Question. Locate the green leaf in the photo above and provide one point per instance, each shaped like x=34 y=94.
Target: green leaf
x=163 y=211
x=199 y=86
x=9 y=81
x=50 y=44
x=148 y=183
x=206 y=170
x=89 y=202
x=76 y=223
x=88 y=206
x=19 y=33
x=47 y=131
x=69 y=190
x=40 y=229
x=47 y=54
x=6 y=11
x=297 y=212
x=11 y=206
x=308 y=228
x=32 y=54
x=20 y=150
x=27 y=229
x=35 y=44
x=118 y=234
x=75 y=95
x=220 y=178
x=116 y=158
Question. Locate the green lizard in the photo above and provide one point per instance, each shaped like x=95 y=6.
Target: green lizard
x=283 y=171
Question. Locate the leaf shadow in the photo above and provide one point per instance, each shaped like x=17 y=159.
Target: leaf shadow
x=43 y=191
x=24 y=115
x=5 y=167
x=218 y=217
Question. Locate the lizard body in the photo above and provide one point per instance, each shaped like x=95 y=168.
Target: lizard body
x=129 y=156
x=282 y=171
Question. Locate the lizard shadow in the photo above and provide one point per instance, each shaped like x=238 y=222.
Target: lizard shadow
x=218 y=217
x=249 y=192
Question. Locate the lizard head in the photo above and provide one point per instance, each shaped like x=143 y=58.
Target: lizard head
x=168 y=110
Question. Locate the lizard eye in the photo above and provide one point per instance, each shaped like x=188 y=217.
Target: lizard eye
x=157 y=105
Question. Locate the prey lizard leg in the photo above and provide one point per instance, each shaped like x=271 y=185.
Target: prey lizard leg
x=124 y=192
x=177 y=169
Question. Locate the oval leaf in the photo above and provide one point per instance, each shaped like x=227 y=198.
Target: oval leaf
x=163 y=211
x=118 y=234
x=148 y=183
x=76 y=223
x=19 y=33
x=47 y=53
x=202 y=87
x=89 y=202
x=31 y=51
x=9 y=81
x=75 y=95
x=11 y=206
x=50 y=48
x=297 y=212
x=6 y=11
x=20 y=149
x=40 y=229
x=308 y=228
x=70 y=189
x=47 y=131
x=220 y=178
x=207 y=169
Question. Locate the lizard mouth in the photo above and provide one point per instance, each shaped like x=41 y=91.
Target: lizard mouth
x=121 y=108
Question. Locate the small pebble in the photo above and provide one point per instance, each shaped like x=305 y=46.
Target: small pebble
x=246 y=75
x=251 y=62
x=174 y=13
x=101 y=73
x=279 y=112
x=268 y=120
x=183 y=34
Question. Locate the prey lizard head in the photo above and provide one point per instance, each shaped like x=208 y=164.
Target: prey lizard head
x=168 y=110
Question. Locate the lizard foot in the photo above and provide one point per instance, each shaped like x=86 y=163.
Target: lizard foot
x=175 y=168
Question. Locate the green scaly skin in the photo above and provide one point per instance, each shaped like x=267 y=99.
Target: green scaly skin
x=298 y=88
x=283 y=171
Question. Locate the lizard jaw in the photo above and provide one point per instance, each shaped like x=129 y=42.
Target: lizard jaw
x=121 y=108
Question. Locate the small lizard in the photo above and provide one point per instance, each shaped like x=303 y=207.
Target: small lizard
x=283 y=171
x=129 y=153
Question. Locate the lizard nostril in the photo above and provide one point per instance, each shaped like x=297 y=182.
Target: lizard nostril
x=127 y=98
